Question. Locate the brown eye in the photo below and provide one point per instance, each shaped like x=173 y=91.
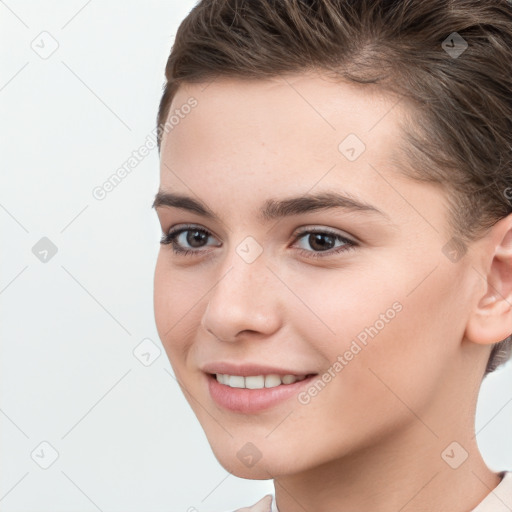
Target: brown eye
x=195 y=237
x=186 y=240
x=318 y=241
x=324 y=241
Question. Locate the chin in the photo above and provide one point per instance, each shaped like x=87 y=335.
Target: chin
x=259 y=471
x=245 y=460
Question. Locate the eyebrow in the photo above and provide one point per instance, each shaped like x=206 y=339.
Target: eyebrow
x=274 y=208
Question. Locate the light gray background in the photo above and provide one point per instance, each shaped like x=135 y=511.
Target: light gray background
x=125 y=436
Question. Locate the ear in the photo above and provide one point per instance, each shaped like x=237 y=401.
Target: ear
x=491 y=319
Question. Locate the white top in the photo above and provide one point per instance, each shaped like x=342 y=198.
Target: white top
x=498 y=500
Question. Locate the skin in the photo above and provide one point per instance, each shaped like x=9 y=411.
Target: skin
x=373 y=437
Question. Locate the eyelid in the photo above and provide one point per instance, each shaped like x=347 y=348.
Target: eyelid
x=306 y=228
x=324 y=229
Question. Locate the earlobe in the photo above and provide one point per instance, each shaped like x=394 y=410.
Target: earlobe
x=491 y=320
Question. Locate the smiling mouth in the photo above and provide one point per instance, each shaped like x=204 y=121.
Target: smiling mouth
x=257 y=381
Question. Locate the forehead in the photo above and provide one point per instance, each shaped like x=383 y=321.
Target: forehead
x=286 y=135
x=285 y=111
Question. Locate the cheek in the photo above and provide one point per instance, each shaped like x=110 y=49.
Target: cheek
x=161 y=297
x=340 y=305
x=392 y=335
x=173 y=305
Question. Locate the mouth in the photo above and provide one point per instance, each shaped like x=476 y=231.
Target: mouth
x=252 y=394
x=257 y=381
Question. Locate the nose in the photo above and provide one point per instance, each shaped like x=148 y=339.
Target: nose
x=244 y=300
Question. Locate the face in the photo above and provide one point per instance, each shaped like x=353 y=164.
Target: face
x=356 y=297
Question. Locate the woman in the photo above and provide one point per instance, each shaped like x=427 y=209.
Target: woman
x=335 y=275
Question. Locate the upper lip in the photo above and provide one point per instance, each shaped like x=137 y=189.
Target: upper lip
x=248 y=369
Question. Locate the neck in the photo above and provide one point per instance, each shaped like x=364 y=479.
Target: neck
x=408 y=471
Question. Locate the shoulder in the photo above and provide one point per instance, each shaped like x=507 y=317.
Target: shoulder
x=500 y=498
x=266 y=504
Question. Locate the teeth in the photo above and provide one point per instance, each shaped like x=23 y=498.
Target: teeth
x=288 y=379
x=257 y=381
x=271 y=381
x=235 y=381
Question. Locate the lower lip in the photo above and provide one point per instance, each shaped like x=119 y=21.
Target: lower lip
x=249 y=401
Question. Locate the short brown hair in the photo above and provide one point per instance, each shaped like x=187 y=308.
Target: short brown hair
x=461 y=134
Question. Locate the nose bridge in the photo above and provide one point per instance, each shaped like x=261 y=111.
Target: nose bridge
x=242 y=299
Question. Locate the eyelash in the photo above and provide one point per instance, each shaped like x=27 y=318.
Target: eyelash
x=169 y=239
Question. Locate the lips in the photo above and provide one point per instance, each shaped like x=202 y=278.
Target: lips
x=251 y=369
x=250 y=400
